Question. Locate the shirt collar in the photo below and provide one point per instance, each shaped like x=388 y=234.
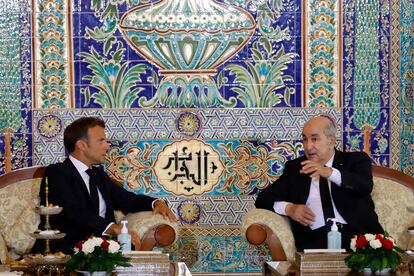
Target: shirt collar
x=330 y=161
x=79 y=165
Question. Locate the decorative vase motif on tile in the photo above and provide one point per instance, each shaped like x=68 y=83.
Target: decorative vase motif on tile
x=385 y=271
x=187 y=40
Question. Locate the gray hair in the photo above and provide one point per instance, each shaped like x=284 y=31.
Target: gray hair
x=330 y=130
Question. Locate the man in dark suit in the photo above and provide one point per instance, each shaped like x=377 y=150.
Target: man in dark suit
x=86 y=193
x=325 y=183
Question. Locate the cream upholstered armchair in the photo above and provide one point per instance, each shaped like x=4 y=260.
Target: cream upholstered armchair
x=393 y=197
x=19 y=192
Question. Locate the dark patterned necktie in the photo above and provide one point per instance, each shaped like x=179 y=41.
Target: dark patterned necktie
x=93 y=189
x=327 y=207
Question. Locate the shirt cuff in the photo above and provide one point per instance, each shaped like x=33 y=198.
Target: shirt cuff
x=336 y=177
x=104 y=232
x=280 y=207
x=153 y=202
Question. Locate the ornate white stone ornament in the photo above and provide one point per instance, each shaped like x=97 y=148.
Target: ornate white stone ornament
x=188 y=167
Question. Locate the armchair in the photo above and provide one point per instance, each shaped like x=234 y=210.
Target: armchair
x=19 y=192
x=392 y=195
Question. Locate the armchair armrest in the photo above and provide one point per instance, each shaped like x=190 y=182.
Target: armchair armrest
x=260 y=225
x=152 y=229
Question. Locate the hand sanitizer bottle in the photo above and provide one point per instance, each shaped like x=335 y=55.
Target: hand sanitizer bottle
x=124 y=238
x=334 y=236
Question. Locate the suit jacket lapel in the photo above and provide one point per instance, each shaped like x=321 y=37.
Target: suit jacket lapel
x=101 y=185
x=306 y=180
x=303 y=184
x=338 y=161
x=104 y=189
x=78 y=178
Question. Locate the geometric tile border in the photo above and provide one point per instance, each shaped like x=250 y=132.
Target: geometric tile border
x=395 y=85
x=224 y=232
x=138 y=124
x=218 y=210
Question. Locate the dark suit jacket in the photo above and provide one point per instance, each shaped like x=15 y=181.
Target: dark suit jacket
x=77 y=220
x=352 y=199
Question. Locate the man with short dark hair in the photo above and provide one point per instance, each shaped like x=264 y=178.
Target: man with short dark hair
x=86 y=193
x=325 y=183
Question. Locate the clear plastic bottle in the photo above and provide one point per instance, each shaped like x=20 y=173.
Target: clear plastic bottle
x=124 y=238
x=334 y=236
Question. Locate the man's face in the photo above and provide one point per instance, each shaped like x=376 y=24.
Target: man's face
x=96 y=147
x=318 y=147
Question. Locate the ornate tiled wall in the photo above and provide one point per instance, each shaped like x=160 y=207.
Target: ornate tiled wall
x=204 y=100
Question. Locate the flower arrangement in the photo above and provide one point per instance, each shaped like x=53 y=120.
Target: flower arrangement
x=376 y=252
x=96 y=254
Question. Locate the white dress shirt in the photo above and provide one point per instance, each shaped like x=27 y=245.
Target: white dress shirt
x=314 y=199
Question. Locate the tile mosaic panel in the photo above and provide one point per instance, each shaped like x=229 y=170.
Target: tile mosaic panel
x=211 y=211
x=249 y=164
x=2 y=155
x=407 y=87
x=15 y=89
x=173 y=54
x=395 y=84
x=141 y=124
x=52 y=52
x=322 y=66
x=366 y=75
x=95 y=56
x=218 y=253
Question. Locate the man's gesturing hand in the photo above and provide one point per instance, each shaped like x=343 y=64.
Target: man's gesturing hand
x=160 y=207
x=315 y=170
x=300 y=213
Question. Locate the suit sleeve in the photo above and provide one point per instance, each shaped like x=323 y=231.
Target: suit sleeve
x=357 y=177
x=128 y=201
x=277 y=191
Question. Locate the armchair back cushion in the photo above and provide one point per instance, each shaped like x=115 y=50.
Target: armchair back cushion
x=17 y=216
x=391 y=202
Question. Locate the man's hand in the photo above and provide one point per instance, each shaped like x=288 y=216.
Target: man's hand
x=115 y=230
x=160 y=207
x=300 y=213
x=135 y=239
x=315 y=169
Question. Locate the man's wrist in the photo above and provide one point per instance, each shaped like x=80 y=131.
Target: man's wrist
x=287 y=209
x=157 y=202
x=330 y=172
x=113 y=230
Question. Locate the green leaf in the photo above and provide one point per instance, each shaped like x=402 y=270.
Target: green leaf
x=267 y=45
